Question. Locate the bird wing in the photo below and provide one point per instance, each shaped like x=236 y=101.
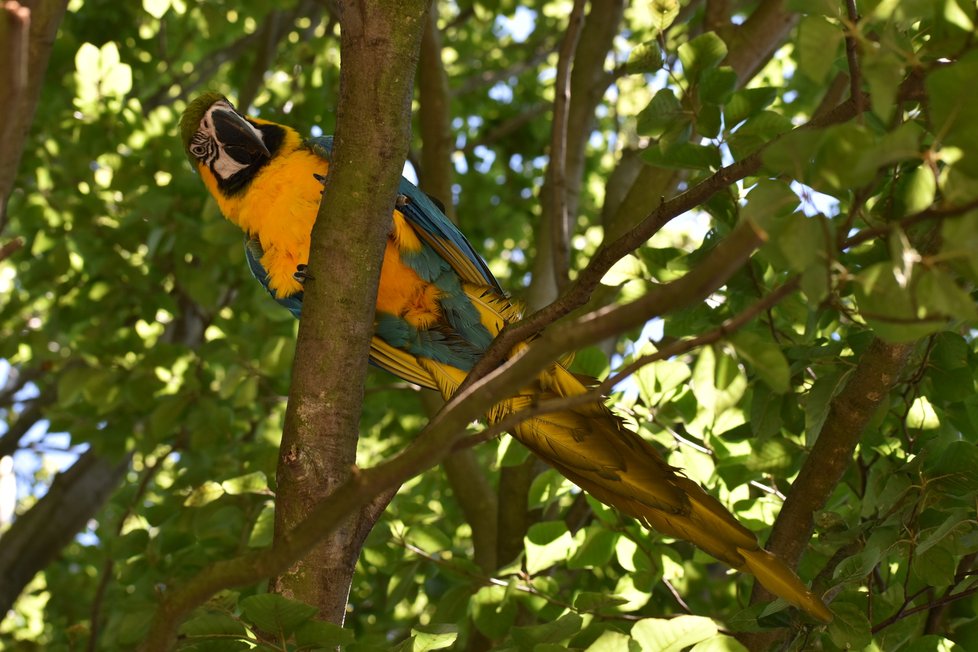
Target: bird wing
x=425 y=250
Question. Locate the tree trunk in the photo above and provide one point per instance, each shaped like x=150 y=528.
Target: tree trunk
x=379 y=46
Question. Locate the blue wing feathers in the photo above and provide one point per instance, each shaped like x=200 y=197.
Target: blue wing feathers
x=253 y=253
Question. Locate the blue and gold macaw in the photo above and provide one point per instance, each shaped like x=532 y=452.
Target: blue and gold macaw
x=438 y=309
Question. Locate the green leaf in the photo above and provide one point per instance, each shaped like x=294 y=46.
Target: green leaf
x=889 y=307
x=204 y=494
x=796 y=242
x=251 y=483
x=210 y=624
x=747 y=103
x=949 y=108
x=664 y=112
x=916 y=190
x=767 y=201
x=717 y=85
x=818 y=46
x=595 y=602
x=850 y=629
x=613 y=641
x=663 y=13
x=493 y=611
x=430 y=637
x=857 y=567
x=546 y=544
x=935 y=566
x=953 y=469
x=156 y=8
x=939 y=293
x=701 y=53
x=264 y=528
x=557 y=631
x=428 y=538
x=320 y=634
x=275 y=614
x=683 y=156
x=597 y=549
x=819 y=400
x=645 y=58
x=719 y=643
x=673 y=635
x=794 y=153
x=765 y=357
x=884 y=71
x=959 y=238
x=773 y=456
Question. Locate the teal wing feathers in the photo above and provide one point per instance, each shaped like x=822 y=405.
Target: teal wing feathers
x=446 y=259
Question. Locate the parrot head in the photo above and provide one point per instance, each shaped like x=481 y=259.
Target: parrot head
x=229 y=145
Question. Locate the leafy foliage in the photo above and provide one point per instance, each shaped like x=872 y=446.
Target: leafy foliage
x=129 y=320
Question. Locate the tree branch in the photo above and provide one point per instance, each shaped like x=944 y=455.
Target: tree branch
x=852 y=56
x=28 y=35
x=73 y=498
x=379 y=43
x=559 y=218
x=435 y=118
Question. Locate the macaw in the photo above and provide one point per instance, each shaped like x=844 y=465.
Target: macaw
x=438 y=309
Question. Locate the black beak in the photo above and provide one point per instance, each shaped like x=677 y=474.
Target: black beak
x=238 y=137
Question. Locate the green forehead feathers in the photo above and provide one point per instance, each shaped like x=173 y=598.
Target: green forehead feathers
x=193 y=114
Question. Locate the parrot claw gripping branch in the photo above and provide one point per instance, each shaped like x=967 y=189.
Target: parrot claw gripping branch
x=438 y=309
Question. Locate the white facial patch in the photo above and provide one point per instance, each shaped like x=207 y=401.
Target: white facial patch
x=209 y=150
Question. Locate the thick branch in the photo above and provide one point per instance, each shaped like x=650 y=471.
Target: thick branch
x=28 y=35
x=435 y=118
x=380 y=43
x=877 y=372
x=73 y=498
x=753 y=43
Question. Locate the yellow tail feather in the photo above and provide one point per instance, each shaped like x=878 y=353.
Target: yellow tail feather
x=591 y=447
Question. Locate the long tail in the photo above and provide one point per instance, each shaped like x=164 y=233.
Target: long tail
x=591 y=447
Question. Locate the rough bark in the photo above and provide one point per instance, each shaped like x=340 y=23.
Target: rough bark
x=379 y=46
x=877 y=372
x=434 y=118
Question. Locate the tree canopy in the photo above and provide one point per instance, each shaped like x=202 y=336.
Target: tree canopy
x=756 y=222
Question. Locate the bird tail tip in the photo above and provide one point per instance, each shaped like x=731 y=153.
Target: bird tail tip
x=779 y=579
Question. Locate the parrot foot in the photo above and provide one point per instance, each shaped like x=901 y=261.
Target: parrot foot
x=321 y=178
x=401 y=201
x=301 y=275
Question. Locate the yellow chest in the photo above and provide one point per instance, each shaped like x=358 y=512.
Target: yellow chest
x=279 y=207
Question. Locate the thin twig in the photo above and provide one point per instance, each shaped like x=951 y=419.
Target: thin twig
x=852 y=55
x=933 y=213
x=946 y=599
x=560 y=220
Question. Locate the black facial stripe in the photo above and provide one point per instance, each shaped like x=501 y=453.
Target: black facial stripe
x=203 y=148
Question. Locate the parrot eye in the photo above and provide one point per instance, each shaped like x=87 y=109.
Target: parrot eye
x=200 y=146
